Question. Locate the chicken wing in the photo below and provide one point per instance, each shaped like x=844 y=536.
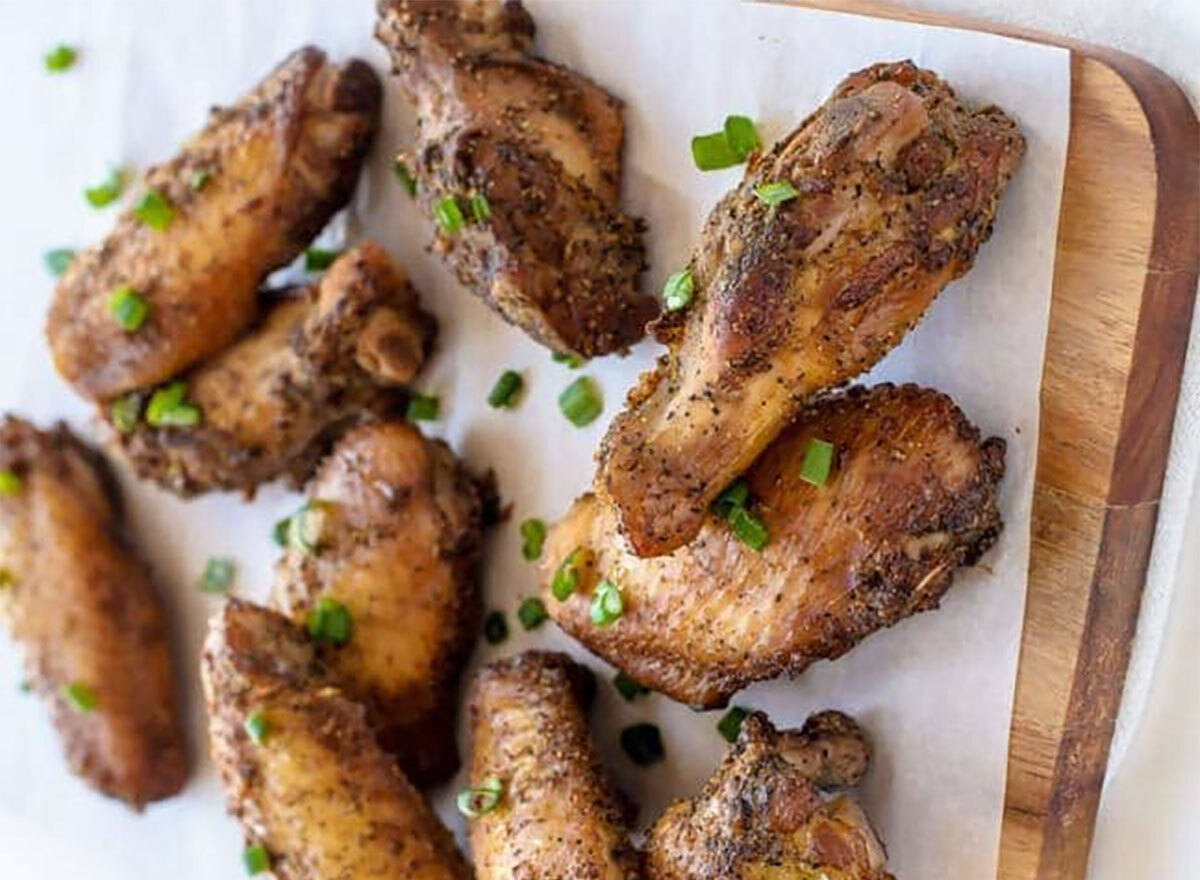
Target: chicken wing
x=558 y=817
x=300 y=765
x=324 y=355
x=393 y=531
x=894 y=186
x=761 y=817
x=911 y=496
x=519 y=160
x=242 y=197
x=81 y=607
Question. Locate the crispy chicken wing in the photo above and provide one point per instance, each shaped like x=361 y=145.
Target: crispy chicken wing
x=323 y=355
x=897 y=185
x=246 y=195
x=311 y=785
x=911 y=496
x=761 y=817
x=80 y=605
x=394 y=532
x=529 y=153
x=558 y=817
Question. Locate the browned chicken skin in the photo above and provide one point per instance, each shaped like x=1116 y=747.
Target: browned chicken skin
x=911 y=497
x=323 y=355
x=898 y=185
x=542 y=144
x=761 y=816
x=315 y=790
x=248 y=193
x=558 y=817
x=400 y=536
x=81 y=607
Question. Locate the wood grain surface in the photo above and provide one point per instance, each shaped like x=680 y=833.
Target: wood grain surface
x=1124 y=285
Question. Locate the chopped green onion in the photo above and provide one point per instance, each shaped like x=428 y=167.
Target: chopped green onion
x=106 y=193
x=80 y=697
x=566 y=578
x=741 y=135
x=580 y=402
x=775 y=194
x=200 y=179
x=319 y=259
x=128 y=308
x=168 y=407
x=678 y=291
x=257 y=727
x=480 y=208
x=495 y=628
x=532 y=613
x=154 y=210
x=572 y=361
x=711 y=152
x=749 y=529
x=125 y=412
x=306 y=527
x=59 y=260
x=279 y=534
x=10 y=483
x=607 y=604
x=475 y=802
x=61 y=57
x=730 y=725
x=256 y=859
x=504 y=393
x=629 y=689
x=818 y=459
x=642 y=743
x=736 y=495
x=423 y=408
x=405 y=177
x=533 y=536
x=218 y=575
x=26 y=686
x=448 y=214
x=329 y=621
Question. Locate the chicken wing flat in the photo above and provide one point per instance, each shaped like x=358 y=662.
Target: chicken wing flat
x=305 y=777
x=896 y=186
x=393 y=531
x=910 y=497
x=558 y=817
x=761 y=817
x=519 y=160
x=322 y=356
x=80 y=606
x=242 y=197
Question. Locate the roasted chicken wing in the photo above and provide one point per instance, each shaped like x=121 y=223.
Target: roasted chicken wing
x=81 y=607
x=519 y=161
x=393 y=531
x=242 y=197
x=910 y=496
x=894 y=185
x=761 y=817
x=300 y=765
x=557 y=817
x=323 y=355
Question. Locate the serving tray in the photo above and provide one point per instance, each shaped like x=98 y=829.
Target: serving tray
x=1125 y=276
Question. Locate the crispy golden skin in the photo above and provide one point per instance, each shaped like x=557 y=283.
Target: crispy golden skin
x=402 y=529
x=898 y=185
x=82 y=609
x=559 y=817
x=556 y=256
x=761 y=817
x=912 y=497
x=280 y=162
x=324 y=355
x=317 y=792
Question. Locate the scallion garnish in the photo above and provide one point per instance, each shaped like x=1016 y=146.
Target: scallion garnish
x=128 y=308
x=124 y=412
x=746 y=526
x=329 y=622
x=169 y=408
x=533 y=536
x=566 y=577
x=305 y=528
x=495 y=628
x=257 y=727
x=154 y=210
x=607 y=604
x=405 y=177
x=572 y=361
x=485 y=797
x=279 y=532
x=256 y=859
x=818 y=459
x=423 y=408
x=741 y=135
x=480 y=208
x=11 y=483
x=61 y=57
x=726 y=148
x=448 y=214
x=580 y=402
x=200 y=179
x=319 y=259
x=629 y=689
x=678 y=291
x=79 y=697
x=775 y=194
x=532 y=613
x=736 y=495
x=58 y=260
x=506 y=390
x=218 y=575
x=106 y=193
x=642 y=743
x=730 y=725
x=26 y=686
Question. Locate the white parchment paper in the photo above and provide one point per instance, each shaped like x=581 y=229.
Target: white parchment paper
x=935 y=691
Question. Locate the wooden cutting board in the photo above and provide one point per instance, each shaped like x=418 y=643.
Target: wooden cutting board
x=1124 y=283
